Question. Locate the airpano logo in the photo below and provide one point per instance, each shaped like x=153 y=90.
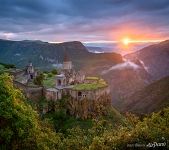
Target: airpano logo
x=155 y=144
x=149 y=145
x=163 y=144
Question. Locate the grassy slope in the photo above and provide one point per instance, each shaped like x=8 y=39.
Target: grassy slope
x=91 y=86
x=49 y=82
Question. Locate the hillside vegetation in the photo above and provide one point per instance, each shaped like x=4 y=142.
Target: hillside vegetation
x=21 y=127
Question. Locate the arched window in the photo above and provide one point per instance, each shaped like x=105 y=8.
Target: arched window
x=79 y=94
x=31 y=76
x=59 y=82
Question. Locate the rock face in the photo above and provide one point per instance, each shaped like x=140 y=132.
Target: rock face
x=89 y=108
x=149 y=99
x=124 y=83
x=155 y=58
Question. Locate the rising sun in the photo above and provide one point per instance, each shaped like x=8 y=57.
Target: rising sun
x=126 y=41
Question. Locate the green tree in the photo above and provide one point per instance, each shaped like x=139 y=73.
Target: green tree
x=20 y=126
x=8 y=66
x=39 y=79
x=50 y=75
x=54 y=71
x=2 y=68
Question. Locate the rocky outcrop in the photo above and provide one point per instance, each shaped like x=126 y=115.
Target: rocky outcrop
x=155 y=58
x=88 y=108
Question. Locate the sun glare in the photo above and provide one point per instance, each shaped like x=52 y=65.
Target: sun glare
x=126 y=41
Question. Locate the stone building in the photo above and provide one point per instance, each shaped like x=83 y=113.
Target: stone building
x=30 y=72
x=92 y=94
x=26 y=75
x=67 y=63
x=76 y=84
x=85 y=93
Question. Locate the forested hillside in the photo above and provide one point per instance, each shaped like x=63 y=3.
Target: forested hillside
x=46 y=55
x=22 y=127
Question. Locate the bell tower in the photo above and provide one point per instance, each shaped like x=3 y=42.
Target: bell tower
x=67 y=63
x=30 y=71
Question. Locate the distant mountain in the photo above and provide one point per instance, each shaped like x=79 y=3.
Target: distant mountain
x=95 y=49
x=149 y=99
x=124 y=77
x=155 y=58
x=47 y=55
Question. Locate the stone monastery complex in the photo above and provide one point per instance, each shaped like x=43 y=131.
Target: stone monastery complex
x=66 y=82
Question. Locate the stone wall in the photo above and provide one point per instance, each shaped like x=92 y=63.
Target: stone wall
x=16 y=72
x=89 y=94
x=52 y=94
x=89 y=108
x=31 y=92
x=90 y=104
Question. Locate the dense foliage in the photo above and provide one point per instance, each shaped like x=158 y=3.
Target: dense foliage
x=39 y=79
x=8 y=66
x=5 y=67
x=54 y=71
x=2 y=68
x=22 y=128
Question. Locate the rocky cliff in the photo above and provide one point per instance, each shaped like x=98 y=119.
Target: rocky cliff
x=155 y=58
x=88 y=108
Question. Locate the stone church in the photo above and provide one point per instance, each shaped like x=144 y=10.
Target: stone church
x=30 y=72
x=88 y=96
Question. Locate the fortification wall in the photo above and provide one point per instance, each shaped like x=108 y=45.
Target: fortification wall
x=89 y=108
x=31 y=92
x=89 y=94
x=52 y=94
x=17 y=72
x=89 y=104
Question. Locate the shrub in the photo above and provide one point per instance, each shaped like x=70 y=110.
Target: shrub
x=39 y=79
x=54 y=71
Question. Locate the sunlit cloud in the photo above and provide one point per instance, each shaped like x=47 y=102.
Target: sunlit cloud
x=87 y=21
x=7 y=35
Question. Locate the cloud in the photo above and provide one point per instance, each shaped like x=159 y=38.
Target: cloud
x=125 y=65
x=85 y=20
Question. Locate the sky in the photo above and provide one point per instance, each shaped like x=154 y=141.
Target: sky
x=84 y=20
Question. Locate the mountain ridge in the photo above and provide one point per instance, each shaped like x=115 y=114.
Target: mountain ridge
x=44 y=55
x=150 y=98
x=155 y=58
